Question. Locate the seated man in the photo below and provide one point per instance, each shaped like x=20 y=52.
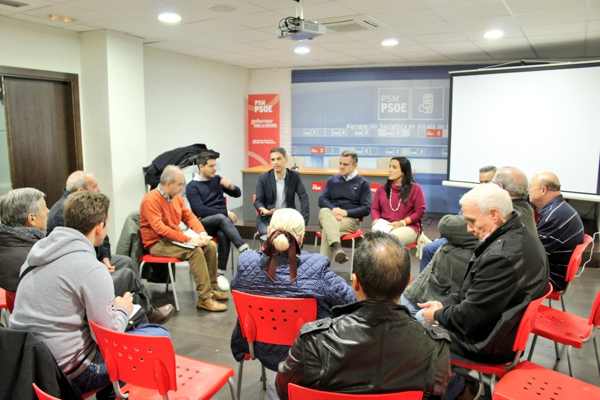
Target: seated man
x=345 y=201
x=122 y=270
x=23 y=218
x=161 y=212
x=276 y=189
x=373 y=346
x=507 y=271
x=514 y=181
x=63 y=286
x=559 y=227
x=486 y=174
x=205 y=194
x=82 y=181
x=445 y=273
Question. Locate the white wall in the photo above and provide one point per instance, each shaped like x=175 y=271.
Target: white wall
x=276 y=81
x=34 y=46
x=189 y=100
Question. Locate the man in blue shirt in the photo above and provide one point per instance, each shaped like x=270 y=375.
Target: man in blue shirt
x=559 y=227
x=345 y=201
x=205 y=194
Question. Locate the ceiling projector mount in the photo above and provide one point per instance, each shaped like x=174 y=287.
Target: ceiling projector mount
x=297 y=28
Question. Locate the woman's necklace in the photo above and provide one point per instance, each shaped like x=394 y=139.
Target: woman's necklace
x=399 y=201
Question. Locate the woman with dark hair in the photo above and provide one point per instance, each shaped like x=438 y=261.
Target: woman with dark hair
x=281 y=270
x=399 y=205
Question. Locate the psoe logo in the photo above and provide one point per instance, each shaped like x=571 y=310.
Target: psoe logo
x=261 y=106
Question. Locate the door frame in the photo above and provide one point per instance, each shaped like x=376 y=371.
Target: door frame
x=34 y=74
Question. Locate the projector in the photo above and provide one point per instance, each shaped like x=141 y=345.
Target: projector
x=297 y=28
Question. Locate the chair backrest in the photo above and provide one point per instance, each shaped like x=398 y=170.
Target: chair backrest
x=526 y=324
x=146 y=361
x=576 y=256
x=594 y=318
x=296 y=392
x=41 y=395
x=272 y=320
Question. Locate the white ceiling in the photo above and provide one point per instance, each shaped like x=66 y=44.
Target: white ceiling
x=430 y=31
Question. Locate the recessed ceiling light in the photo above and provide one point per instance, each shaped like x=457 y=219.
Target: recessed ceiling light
x=170 y=18
x=301 y=50
x=65 y=19
x=493 y=34
x=389 y=42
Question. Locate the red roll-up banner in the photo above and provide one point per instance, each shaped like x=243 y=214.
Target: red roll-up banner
x=263 y=127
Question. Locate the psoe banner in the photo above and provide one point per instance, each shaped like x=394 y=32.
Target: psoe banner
x=263 y=127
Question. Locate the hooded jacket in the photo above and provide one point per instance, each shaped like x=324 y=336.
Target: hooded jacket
x=446 y=271
x=68 y=287
x=15 y=243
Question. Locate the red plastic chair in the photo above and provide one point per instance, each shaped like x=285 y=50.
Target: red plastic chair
x=529 y=381
x=149 y=364
x=488 y=373
x=352 y=236
x=170 y=262
x=41 y=395
x=3 y=301
x=296 y=392
x=272 y=320
x=572 y=268
x=568 y=329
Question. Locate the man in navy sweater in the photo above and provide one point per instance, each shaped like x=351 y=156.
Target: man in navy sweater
x=559 y=227
x=345 y=201
x=206 y=196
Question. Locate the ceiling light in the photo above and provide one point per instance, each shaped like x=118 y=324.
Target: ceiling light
x=301 y=50
x=389 y=42
x=493 y=34
x=170 y=18
x=65 y=19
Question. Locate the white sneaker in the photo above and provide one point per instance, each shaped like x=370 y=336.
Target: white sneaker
x=243 y=248
x=223 y=283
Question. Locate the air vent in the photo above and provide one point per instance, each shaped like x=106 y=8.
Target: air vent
x=11 y=3
x=350 y=23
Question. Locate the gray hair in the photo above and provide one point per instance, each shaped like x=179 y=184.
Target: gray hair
x=170 y=174
x=18 y=204
x=513 y=180
x=488 y=196
x=77 y=181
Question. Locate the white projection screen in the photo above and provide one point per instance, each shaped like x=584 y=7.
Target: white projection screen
x=535 y=118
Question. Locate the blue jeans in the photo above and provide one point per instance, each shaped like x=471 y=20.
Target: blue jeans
x=95 y=377
x=262 y=223
x=224 y=229
x=429 y=250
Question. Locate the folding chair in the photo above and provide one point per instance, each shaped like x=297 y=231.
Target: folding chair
x=170 y=262
x=352 y=236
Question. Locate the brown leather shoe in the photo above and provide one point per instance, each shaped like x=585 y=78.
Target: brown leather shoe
x=340 y=256
x=220 y=295
x=160 y=315
x=210 y=304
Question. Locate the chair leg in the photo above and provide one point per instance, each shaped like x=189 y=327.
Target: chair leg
x=141 y=269
x=316 y=240
x=569 y=360
x=562 y=302
x=557 y=353
x=239 y=379
x=352 y=260
x=596 y=352
x=532 y=347
x=559 y=356
x=172 y=280
x=231 y=388
x=263 y=377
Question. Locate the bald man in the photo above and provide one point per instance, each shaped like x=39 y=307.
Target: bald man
x=559 y=226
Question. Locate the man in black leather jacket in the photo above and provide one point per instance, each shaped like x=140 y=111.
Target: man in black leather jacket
x=508 y=269
x=372 y=346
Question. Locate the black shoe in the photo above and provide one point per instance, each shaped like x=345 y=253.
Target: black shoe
x=160 y=315
x=340 y=256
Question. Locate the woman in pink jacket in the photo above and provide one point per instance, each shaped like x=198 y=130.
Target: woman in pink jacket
x=398 y=206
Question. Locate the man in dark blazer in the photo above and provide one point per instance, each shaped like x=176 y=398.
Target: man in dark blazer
x=277 y=189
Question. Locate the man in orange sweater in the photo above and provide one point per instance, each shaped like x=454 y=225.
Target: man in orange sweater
x=162 y=210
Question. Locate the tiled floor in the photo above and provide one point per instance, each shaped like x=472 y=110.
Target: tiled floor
x=206 y=335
